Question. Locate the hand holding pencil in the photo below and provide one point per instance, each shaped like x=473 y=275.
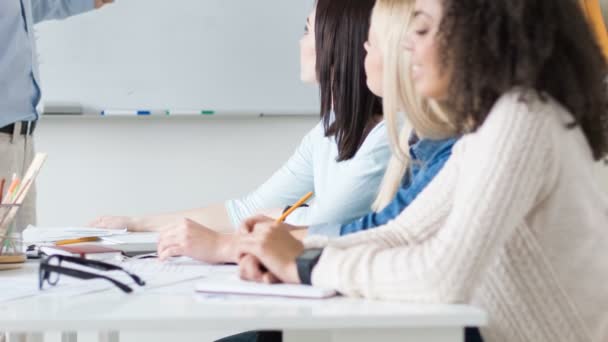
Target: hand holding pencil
x=249 y=225
x=267 y=251
x=293 y=208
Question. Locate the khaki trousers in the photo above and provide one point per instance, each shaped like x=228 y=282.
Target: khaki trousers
x=16 y=154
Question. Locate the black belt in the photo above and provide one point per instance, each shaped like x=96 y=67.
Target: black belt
x=10 y=128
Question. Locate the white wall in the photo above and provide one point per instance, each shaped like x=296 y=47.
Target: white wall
x=133 y=166
x=602 y=176
x=140 y=165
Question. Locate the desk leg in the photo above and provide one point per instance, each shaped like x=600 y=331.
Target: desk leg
x=35 y=337
x=109 y=336
x=306 y=336
x=69 y=336
x=13 y=337
x=384 y=335
x=23 y=337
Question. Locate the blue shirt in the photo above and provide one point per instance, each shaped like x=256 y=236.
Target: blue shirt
x=427 y=158
x=19 y=81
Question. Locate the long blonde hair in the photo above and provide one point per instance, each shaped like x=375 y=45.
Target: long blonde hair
x=403 y=108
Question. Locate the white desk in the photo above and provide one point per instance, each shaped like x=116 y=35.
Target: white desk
x=339 y=319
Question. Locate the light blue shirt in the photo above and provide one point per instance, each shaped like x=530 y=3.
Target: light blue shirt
x=19 y=79
x=342 y=190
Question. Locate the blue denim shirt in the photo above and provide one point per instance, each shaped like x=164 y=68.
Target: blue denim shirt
x=427 y=158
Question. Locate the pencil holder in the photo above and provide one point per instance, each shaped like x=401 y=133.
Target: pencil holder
x=12 y=254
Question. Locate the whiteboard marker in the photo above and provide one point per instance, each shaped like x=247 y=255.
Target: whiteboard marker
x=190 y=112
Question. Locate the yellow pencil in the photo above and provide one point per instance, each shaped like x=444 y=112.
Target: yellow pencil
x=77 y=240
x=593 y=11
x=294 y=207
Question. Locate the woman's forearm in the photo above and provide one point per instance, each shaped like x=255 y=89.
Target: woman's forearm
x=214 y=217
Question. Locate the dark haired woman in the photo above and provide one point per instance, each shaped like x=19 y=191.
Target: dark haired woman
x=345 y=154
x=514 y=223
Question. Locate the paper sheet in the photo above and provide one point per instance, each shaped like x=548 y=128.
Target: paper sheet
x=33 y=234
x=21 y=284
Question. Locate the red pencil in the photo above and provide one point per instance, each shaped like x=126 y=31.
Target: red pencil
x=2 y=189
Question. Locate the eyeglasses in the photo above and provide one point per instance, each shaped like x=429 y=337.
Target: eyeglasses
x=50 y=270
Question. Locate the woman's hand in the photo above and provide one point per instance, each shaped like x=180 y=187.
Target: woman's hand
x=251 y=269
x=196 y=241
x=271 y=244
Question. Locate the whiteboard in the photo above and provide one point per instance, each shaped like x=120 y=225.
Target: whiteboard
x=236 y=56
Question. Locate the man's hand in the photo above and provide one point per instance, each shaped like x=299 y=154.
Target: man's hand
x=101 y=3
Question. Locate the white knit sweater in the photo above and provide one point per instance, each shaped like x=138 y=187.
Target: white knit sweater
x=514 y=224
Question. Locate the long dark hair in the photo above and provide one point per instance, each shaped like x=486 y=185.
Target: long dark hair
x=341 y=30
x=543 y=45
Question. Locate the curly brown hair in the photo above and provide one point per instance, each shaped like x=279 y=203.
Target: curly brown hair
x=546 y=46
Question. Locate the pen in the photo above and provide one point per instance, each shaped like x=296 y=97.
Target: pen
x=77 y=240
x=294 y=207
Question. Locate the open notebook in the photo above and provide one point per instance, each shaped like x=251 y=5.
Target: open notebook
x=233 y=285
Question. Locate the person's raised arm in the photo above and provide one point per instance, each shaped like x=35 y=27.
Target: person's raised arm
x=60 y=9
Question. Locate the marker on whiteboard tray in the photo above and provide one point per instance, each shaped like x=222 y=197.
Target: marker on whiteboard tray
x=123 y=112
x=190 y=112
x=62 y=108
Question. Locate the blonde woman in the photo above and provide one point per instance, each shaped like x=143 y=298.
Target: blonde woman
x=418 y=154
x=514 y=223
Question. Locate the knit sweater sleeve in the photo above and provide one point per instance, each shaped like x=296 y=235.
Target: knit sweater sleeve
x=501 y=175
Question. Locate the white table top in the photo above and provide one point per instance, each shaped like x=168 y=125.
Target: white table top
x=184 y=310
